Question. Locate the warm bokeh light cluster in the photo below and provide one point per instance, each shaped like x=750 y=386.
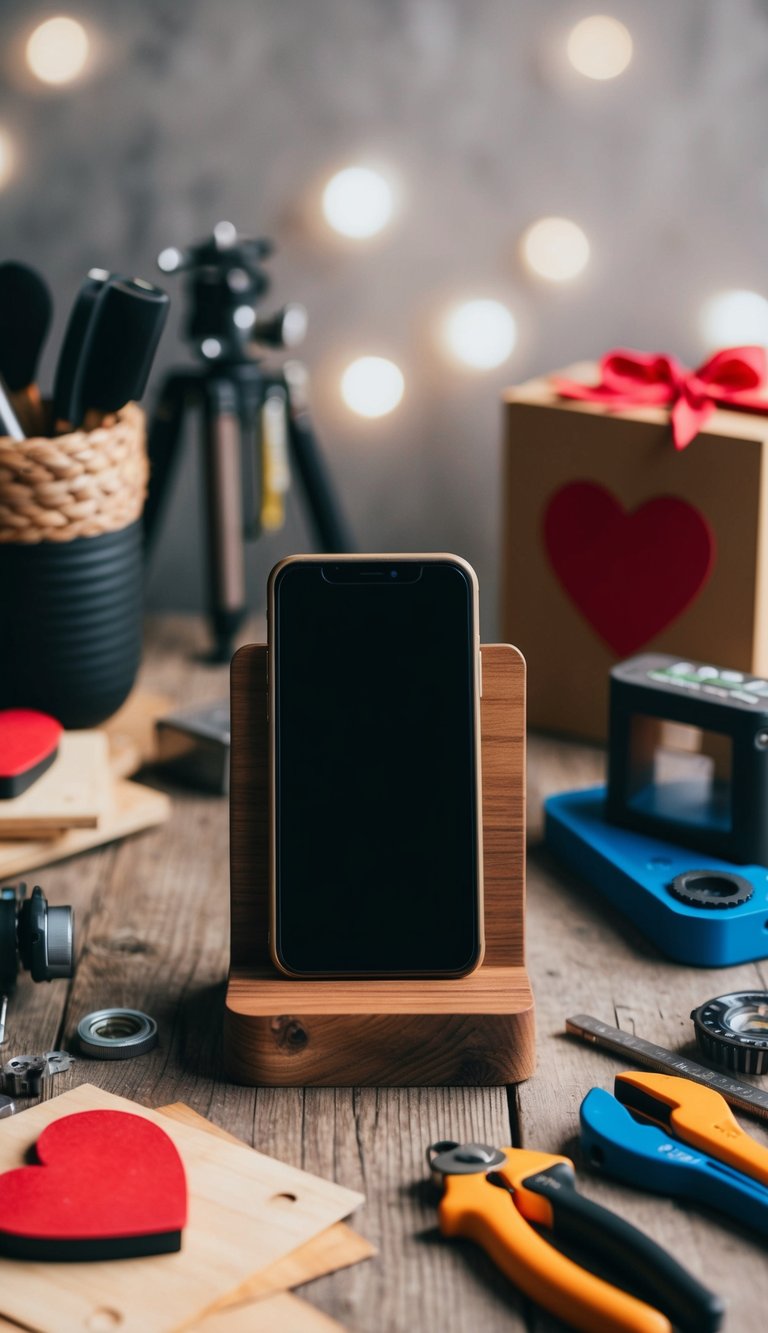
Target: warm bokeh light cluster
x=733 y=317
x=599 y=47
x=555 y=248
x=58 y=49
x=480 y=334
x=372 y=386
x=359 y=202
x=7 y=156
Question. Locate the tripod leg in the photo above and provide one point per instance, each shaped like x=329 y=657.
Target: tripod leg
x=223 y=499
x=330 y=528
x=164 y=435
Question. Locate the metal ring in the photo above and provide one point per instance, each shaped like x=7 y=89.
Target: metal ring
x=713 y=889
x=116 y=1034
x=732 y=1030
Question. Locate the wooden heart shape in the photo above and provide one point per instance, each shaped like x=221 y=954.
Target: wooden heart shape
x=28 y=744
x=629 y=573
x=109 y=1185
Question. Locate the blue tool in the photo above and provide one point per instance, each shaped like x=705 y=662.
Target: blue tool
x=644 y=1155
x=695 y=907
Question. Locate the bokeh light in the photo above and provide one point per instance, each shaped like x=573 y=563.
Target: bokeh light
x=358 y=202
x=372 y=386
x=735 y=317
x=599 y=47
x=481 y=334
x=57 y=50
x=555 y=248
x=7 y=156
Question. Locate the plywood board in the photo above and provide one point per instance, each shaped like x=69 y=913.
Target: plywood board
x=246 y=1211
x=134 y=807
x=338 y=1247
x=131 y=731
x=76 y=791
x=287 y=1313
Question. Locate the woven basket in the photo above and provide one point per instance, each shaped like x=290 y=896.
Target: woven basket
x=71 y=568
x=80 y=485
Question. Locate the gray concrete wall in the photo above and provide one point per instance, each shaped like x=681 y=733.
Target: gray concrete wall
x=240 y=109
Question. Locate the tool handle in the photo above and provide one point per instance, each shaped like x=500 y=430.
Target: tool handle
x=645 y=1156
x=635 y=1257
x=68 y=405
x=472 y=1208
x=699 y=1116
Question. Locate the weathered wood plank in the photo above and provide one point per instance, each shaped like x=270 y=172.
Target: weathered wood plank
x=153 y=935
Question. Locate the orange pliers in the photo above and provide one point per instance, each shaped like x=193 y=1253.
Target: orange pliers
x=493 y=1195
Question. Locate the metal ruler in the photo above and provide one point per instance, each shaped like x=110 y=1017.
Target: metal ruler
x=634 y=1049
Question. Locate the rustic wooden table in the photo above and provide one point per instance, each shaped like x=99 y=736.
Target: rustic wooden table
x=152 y=935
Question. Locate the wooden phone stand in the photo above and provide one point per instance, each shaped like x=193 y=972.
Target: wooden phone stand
x=477 y=1030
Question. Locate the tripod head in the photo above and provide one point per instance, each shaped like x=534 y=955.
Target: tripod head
x=226 y=281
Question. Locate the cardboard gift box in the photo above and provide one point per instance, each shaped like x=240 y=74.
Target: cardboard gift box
x=615 y=540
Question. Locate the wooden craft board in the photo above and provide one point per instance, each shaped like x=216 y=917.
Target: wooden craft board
x=131 y=731
x=280 y=1314
x=134 y=807
x=337 y=1247
x=241 y=1219
x=76 y=791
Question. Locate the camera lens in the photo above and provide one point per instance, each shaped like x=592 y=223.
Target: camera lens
x=393 y=573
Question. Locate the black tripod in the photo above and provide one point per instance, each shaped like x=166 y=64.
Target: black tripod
x=256 y=425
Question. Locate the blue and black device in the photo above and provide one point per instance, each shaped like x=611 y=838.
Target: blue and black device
x=678 y=839
x=688 y=755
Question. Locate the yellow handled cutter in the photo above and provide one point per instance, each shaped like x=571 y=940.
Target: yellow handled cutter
x=493 y=1195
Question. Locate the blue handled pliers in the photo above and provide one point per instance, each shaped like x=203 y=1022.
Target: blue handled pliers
x=644 y=1155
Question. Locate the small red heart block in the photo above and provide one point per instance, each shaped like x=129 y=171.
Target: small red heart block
x=109 y=1185
x=29 y=742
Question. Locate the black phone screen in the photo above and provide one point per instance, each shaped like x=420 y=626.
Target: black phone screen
x=375 y=783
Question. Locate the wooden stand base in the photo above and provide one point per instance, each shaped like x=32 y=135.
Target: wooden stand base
x=478 y=1030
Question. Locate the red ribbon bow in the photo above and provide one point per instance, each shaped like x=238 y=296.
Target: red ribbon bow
x=730 y=378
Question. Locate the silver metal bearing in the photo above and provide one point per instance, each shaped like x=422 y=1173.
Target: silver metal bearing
x=116 y=1034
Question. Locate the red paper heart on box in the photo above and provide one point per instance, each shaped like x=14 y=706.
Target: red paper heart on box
x=629 y=573
x=109 y=1185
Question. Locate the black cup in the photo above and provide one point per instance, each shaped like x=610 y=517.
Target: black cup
x=71 y=625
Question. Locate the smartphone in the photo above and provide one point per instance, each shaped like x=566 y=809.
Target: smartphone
x=374 y=701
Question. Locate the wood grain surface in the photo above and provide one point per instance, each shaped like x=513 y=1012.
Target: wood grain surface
x=152 y=933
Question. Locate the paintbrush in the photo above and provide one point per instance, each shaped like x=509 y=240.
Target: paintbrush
x=26 y=308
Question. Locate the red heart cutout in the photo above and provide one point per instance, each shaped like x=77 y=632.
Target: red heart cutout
x=109 y=1185
x=28 y=744
x=629 y=573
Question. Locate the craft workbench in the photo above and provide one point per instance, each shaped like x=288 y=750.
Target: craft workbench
x=152 y=934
